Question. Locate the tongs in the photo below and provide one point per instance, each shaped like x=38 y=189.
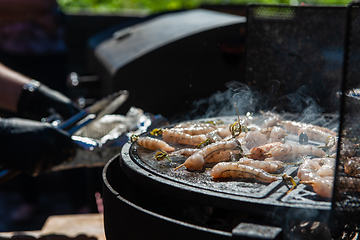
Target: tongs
x=105 y=106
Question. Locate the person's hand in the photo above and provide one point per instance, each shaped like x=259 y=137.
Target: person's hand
x=38 y=101
x=33 y=147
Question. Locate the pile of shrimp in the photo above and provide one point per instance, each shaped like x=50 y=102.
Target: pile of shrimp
x=319 y=173
x=249 y=148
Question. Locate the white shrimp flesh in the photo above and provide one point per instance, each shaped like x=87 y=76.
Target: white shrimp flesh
x=274 y=134
x=175 y=135
x=237 y=170
x=254 y=139
x=260 y=152
x=271 y=119
x=312 y=131
x=186 y=152
x=268 y=166
x=290 y=151
x=316 y=167
x=154 y=144
x=200 y=158
x=323 y=186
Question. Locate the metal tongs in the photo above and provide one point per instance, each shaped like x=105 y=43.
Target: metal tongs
x=105 y=106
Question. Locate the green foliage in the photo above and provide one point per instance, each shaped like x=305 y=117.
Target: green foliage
x=153 y=6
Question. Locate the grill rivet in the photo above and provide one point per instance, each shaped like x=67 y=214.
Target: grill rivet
x=303 y=138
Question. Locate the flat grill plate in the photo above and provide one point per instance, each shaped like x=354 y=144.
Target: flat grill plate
x=140 y=164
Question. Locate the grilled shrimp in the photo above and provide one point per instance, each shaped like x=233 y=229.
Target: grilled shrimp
x=327 y=168
x=223 y=132
x=259 y=152
x=197 y=130
x=268 y=166
x=274 y=134
x=175 y=135
x=323 y=186
x=237 y=170
x=293 y=127
x=316 y=167
x=308 y=170
x=288 y=151
x=200 y=158
x=218 y=134
x=254 y=139
x=352 y=166
x=194 y=125
x=186 y=152
x=154 y=144
x=271 y=120
x=221 y=156
x=312 y=131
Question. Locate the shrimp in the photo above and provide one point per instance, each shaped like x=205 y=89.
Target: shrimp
x=237 y=170
x=274 y=134
x=200 y=158
x=316 y=167
x=277 y=134
x=352 y=166
x=186 y=152
x=308 y=170
x=312 y=131
x=293 y=127
x=194 y=125
x=316 y=134
x=259 y=152
x=223 y=132
x=288 y=151
x=254 y=139
x=218 y=134
x=196 y=130
x=175 y=135
x=323 y=186
x=221 y=156
x=154 y=144
x=327 y=168
x=271 y=121
x=268 y=166
x=319 y=173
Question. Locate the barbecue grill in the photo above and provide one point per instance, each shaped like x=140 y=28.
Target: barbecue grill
x=294 y=60
x=167 y=53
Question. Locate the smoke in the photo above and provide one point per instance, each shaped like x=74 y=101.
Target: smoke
x=304 y=102
x=238 y=97
x=243 y=98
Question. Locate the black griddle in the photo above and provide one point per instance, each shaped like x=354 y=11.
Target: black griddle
x=234 y=194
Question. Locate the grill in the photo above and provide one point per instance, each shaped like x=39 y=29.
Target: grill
x=147 y=51
x=295 y=58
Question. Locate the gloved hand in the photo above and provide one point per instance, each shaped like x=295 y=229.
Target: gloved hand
x=38 y=101
x=32 y=146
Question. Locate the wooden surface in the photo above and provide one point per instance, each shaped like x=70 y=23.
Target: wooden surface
x=79 y=226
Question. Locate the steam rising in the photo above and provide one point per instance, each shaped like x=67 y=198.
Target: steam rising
x=248 y=99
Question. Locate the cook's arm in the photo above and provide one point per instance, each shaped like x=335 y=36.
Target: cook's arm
x=11 y=83
x=31 y=99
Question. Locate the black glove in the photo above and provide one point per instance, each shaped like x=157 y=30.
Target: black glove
x=32 y=146
x=38 y=101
